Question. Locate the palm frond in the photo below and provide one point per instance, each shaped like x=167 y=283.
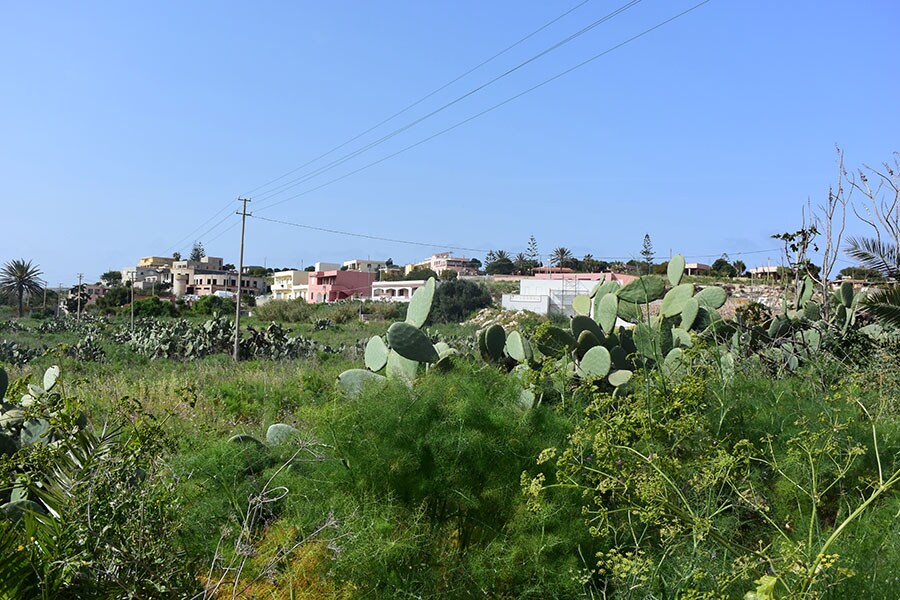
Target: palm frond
x=17 y=579
x=884 y=305
x=875 y=254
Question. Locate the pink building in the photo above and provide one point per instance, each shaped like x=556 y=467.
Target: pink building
x=331 y=286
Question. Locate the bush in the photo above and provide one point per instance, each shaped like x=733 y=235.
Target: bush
x=455 y=300
x=153 y=307
x=208 y=305
x=291 y=311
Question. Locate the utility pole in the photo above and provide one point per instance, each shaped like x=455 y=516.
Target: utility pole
x=59 y=297
x=237 y=310
x=133 y=273
x=78 y=296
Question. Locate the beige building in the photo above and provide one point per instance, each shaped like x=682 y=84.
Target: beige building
x=364 y=265
x=444 y=261
x=290 y=285
x=208 y=276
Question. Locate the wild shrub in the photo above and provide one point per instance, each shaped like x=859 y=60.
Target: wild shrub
x=721 y=488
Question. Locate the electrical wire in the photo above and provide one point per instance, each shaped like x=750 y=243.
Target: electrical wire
x=337 y=162
x=467 y=249
x=366 y=236
x=179 y=245
x=488 y=110
x=423 y=98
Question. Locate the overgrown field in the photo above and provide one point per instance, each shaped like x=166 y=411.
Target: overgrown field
x=683 y=456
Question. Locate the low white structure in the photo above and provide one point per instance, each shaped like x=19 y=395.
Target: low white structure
x=545 y=294
x=395 y=291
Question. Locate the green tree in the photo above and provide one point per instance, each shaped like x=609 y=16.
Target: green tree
x=501 y=266
x=72 y=299
x=647 y=252
x=561 y=256
x=176 y=255
x=739 y=268
x=18 y=279
x=197 y=252
x=455 y=300
x=207 y=305
x=532 y=251
x=723 y=267
x=111 y=278
x=154 y=307
x=421 y=273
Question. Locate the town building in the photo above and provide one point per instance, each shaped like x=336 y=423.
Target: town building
x=290 y=285
x=208 y=276
x=335 y=285
x=395 y=291
x=444 y=261
x=696 y=268
x=364 y=265
x=553 y=293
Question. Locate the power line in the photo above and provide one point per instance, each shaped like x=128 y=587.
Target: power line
x=490 y=109
x=337 y=162
x=466 y=249
x=423 y=98
x=366 y=236
x=211 y=229
x=178 y=245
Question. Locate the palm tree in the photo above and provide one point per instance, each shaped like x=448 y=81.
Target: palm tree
x=883 y=257
x=561 y=256
x=20 y=278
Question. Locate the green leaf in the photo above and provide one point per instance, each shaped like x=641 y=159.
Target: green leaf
x=50 y=377
x=280 y=433
x=676 y=299
x=642 y=290
x=607 y=311
x=517 y=347
x=581 y=323
x=581 y=305
x=620 y=377
x=495 y=341
x=595 y=362
x=675 y=270
x=409 y=342
x=712 y=297
x=376 y=353
x=420 y=304
x=353 y=381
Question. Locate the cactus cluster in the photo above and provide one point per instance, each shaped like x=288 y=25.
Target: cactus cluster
x=25 y=422
x=800 y=331
x=403 y=350
x=612 y=333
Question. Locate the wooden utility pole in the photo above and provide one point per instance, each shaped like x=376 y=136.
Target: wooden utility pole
x=78 y=295
x=133 y=274
x=237 y=310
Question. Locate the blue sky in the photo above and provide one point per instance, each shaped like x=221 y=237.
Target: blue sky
x=127 y=126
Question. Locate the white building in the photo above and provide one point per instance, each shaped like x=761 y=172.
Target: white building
x=290 y=285
x=395 y=291
x=544 y=294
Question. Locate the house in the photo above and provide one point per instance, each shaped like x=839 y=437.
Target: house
x=290 y=285
x=444 y=261
x=364 y=265
x=208 y=276
x=334 y=285
x=395 y=291
x=150 y=272
x=769 y=271
x=553 y=293
x=696 y=268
